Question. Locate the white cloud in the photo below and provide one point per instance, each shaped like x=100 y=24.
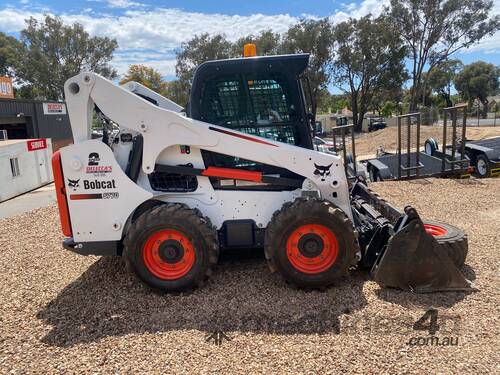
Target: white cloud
x=152 y=36
x=123 y=4
x=489 y=44
x=353 y=10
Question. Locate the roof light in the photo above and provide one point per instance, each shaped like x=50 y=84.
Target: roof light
x=249 y=50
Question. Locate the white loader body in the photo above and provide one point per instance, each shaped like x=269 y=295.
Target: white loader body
x=101 y=197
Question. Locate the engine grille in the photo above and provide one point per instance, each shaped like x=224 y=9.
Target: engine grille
x=172 y=182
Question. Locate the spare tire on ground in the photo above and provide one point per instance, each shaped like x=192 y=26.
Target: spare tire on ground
x=450 y=239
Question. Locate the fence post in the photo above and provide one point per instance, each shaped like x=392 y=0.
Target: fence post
x=478 y=113
x=399 y=147
x=495 y=118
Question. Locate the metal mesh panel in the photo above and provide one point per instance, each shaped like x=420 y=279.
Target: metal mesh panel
x=172 y=182
x=221 y=102
x=268 y=100
x=409 y=138
x=409 y=145
x=254 y=106
x=454 y=131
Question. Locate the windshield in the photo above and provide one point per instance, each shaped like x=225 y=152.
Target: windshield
x=257 y=104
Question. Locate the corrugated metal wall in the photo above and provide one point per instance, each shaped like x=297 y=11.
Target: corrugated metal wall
x=38 y=124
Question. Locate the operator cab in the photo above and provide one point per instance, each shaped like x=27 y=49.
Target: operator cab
x=260 y=96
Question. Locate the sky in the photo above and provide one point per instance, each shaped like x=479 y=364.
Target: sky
x=150 y=32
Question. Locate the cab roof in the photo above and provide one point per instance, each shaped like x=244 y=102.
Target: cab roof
x=291 y=64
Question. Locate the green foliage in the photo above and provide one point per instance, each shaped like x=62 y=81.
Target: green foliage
x=328 y=103
x=316 y=38
x=146 y=76
x=369 y=58
x=478 y=81
x=8 y=47
x=198 y=50
x=440 y=79
x=175 y=91
x=389 y=108
x=267 y=43
x=434 y=30
x=52 y=52
x=152 y=79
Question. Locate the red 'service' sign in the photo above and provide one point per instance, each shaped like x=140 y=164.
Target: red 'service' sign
x=37 y=144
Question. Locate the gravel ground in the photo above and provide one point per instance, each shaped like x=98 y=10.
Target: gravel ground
x=63 y=313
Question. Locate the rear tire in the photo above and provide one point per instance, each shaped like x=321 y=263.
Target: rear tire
x=311 y=243
x=171 y=247
x=482 y=166
x=430 y=146
x=450 y=239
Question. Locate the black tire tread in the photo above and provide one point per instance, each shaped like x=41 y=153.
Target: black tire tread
x=292 y=209
x=455 y=245
x=164 y=213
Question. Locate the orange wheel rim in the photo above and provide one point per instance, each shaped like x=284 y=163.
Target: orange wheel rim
x=168 y=254
x=435 y=230
x=312 y=248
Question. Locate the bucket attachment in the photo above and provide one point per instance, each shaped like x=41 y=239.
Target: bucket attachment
x=412 y=261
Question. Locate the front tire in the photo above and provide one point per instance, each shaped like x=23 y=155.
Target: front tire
x=171 y=247
x=450 y=239
x=311 y=243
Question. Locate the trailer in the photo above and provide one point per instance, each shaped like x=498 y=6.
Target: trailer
x=344 y=145
x=410 y=161
x=24 y=166
x=484 y=155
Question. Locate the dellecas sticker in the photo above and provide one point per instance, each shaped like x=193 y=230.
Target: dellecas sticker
x=94 y=167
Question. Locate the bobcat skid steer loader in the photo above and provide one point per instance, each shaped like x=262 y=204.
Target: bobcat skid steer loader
x=168 y=191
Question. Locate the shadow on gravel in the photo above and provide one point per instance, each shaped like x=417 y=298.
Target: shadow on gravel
x=242 y=295
x=427 y=300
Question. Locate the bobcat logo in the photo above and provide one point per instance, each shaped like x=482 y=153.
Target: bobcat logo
x=322 y=171
x=73 y=183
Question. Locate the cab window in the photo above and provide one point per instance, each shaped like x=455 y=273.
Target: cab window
x=254 y=104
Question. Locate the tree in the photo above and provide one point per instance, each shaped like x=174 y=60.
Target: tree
x=369 y=57
x=267 y=43
x=440 y=79
x=8 y=47
x=478 y=81
x=314 y=37
x=435 y=29
x=331 y=103
x=175 y=91
x=198 y=50
x=145 y=75
x=53 y=52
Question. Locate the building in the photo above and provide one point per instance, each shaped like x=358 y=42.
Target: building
x=332 y=120
x=33 y=119
x=30 y=130
x=24 y=165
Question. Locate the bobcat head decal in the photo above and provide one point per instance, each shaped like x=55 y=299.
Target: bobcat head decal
x=73 y=183
x=322 y=171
